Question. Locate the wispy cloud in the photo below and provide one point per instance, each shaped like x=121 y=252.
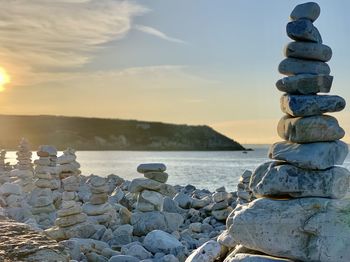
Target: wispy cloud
x=40 y=36
x=157 y=33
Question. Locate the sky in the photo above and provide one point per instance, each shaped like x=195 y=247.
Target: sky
x=187 y=62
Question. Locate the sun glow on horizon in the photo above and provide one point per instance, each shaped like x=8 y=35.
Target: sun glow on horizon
x=4 y=79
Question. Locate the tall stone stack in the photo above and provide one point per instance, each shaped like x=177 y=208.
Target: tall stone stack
x=300 y=212
x=47 y=164
x=67 y=164
x=98 y=209
x=151 y=199
x=3 y=168
x=24 y=168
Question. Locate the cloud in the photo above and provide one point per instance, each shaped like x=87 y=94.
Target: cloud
x=157 y=33
x=39 y=37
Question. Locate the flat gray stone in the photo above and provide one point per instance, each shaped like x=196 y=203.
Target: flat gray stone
x=208 y=252
x=139 y=184
x=305 y=84
x=151 y=167
x=255 y=258
x=310 y=11
x=309 y=129
x=308 y=50
x=303 y=30
x=320 y=155
x=276 y=179
x=305 y=229
x=294 y=66
x=161 y=177
x=309 y=105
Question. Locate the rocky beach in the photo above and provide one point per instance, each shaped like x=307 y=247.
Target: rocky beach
x=293 y=208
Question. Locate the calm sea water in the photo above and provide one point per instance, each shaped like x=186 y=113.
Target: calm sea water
x=202 y=169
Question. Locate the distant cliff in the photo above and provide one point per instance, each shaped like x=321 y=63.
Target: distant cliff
x=109 y=134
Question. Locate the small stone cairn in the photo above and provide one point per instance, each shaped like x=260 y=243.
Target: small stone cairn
x=23 y=171
x=244 y=194
x=68 y=166
x=71 y=221
x=221 y=208
x=98 y=209
x=4 y=169
x=300 y=213
x=150 y=199
x=47 y=164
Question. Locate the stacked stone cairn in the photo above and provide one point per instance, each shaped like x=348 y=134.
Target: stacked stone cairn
x=71 y=221
x=23 y=173
x=4 y=170
x=221 y=208
x=42 y=197
x=68 y=166
x=47 y=164
x=300 y=213
x=150 y=199
x=244 y=194
x=98 y=209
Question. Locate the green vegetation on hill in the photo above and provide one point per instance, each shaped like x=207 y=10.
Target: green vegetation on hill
x=109 y=134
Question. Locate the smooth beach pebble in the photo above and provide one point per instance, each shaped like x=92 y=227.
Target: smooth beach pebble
x=305 y=84
x=310 y=11
x=308 y=50
x=294 y=66
x=303 y=30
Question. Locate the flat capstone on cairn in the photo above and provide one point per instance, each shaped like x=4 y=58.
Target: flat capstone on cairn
x=98 y=209
x=300 y=213
x=23 y=173
x=67 y=164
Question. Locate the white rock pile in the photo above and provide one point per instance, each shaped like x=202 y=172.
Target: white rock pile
x=98 y=209
x=67 y=164
x=23 y=172
x=4 y=169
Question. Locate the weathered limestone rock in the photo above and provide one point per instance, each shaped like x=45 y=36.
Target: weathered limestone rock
x=275 y=179
x=19 y=243
x=295 y=66
x=303 y=30
x=310 y=11
x=159 y=241
x=321 y=155
x=209 y=252
x=310 y=129
x=139 y=184
x=307 y=229
x=309 y=105
x=146 y=222
x=305 y=84
x=255 y=258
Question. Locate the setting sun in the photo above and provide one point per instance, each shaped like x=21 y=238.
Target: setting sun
x=4 y=79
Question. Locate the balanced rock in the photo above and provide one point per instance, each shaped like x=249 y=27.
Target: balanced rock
x=303 y=30
x=151 y=167
x=308 y=50
x=310 y=11
x=309 y=105
x=320 y=155
x=306 y=229
x=310 y=129
x=305 y=84
x=276 y=179
x=295 y=66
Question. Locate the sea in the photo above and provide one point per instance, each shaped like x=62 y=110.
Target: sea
x=203 y=169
